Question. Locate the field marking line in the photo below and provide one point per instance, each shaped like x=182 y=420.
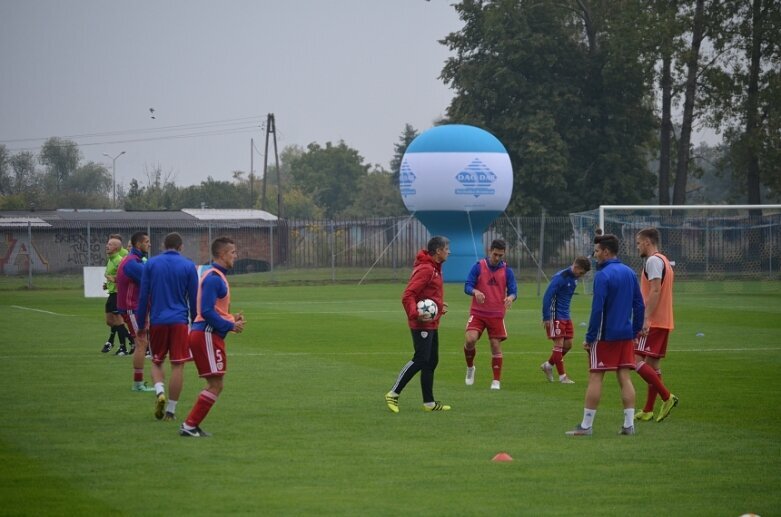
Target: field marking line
x=38 y=310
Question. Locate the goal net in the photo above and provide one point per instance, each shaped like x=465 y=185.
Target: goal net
x=703 y=241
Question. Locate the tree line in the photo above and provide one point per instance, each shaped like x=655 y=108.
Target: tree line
x=596 y=102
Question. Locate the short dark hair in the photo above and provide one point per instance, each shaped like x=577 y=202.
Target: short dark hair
x=115 y=236
x=650 y=233
x=498 y=244
x=219 y=244
x=173 y=241
x=583 y=263
x=137 y=237
x=598 y=231
x=608 y=242
x=436 y=243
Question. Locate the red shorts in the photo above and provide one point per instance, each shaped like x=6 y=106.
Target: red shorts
x=654 y=344
x=495 y=326
x=169 y=340
x=612 y=355
x=131 y=322
x=560 y=329
x=208 y=351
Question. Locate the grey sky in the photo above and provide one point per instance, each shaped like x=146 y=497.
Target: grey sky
x=352 y=70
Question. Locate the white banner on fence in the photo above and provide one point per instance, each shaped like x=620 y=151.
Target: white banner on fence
x=93 y=282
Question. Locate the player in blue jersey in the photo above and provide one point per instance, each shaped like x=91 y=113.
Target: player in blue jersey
x=169 y=289
x=556 y=317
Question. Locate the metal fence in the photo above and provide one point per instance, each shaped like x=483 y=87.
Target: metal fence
x=383 y=249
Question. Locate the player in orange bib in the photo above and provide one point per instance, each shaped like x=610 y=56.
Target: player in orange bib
x=656 y=284
x=212 y=323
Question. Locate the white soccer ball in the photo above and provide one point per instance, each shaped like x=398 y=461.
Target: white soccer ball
x=427 y=308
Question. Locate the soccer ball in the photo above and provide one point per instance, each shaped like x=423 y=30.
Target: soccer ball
x=427 y=308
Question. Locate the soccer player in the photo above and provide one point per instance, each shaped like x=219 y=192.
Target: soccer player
x=616 y=318
x=656 y=284
x=212 y=323
x=114 y=253
x=491 y=284
x=128 y=283
x=425 y=282
x=169 y=287
x=556 y=319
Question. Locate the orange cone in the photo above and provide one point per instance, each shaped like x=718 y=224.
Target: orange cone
x=502 y=456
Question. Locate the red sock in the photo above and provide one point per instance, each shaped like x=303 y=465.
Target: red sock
x=138 y=374
x=496 y=365
x=470 y=356
x=557 y=359
x=201 y=408
x=650 y=376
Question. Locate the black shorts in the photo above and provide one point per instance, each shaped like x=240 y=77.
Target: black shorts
x=111 y=304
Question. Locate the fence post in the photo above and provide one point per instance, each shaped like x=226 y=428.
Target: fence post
x=333 y=253
x=707 y=248
x=89 y=245
x=518 y=240
x=542 y=250
x=271 y=248
x=29 y=254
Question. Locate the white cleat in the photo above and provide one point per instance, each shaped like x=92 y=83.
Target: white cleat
x=566 y=380
x=495 y=385
x=547 y=369
x=470 y=375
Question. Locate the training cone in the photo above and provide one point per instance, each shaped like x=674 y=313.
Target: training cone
x=502 y=456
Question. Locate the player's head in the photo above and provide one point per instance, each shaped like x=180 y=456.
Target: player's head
x=605 y=247
x=113 y=244
x=173 y=241
x=439 y=248
x=581 y=266
x=647 y=241
x=598 y=231
x=497 y=251
x=224 y=251
x=140 y=241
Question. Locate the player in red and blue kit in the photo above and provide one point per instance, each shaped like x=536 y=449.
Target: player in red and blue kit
x=556 y=319
x=493 y=289
x=128 y=285
x=207 y=335
x=169 y=288
x=617 y=312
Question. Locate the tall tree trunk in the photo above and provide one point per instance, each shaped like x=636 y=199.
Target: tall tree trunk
x=751 y=135
x=692 y=65
x=665 y=134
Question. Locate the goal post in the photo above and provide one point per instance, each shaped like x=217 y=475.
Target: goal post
x=704 y=241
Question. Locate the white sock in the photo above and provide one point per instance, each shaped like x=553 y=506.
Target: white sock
x=393 y=394
x=171 y=407
x=588 y=418
x=188 y=427
x=629 y=417
x=429 y=404
x=562 y=376
x=159 y=388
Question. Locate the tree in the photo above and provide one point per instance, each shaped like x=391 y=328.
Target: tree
x=61 y=158
x=378 y=196
x=407 y=136
x=329 y=175
x=6 y=181
x=562 y=87
x=159 y=193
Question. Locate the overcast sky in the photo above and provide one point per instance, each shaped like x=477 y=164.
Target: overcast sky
x=330 y=70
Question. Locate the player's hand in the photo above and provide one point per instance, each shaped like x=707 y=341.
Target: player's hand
x=644 y=330
x=239 y=316
x=444 y=308
x=587 y=346
x=546 y=324
x=508 y=302
x=424 y=317
x=479 y=296
x=238 y=326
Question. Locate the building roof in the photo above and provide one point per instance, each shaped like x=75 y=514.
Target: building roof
x=166 y=218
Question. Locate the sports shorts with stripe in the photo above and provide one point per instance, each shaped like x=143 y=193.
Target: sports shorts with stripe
x=560 y=329
x=654 y=344
x=612 y=355
x=169 y=340
x=208 y=351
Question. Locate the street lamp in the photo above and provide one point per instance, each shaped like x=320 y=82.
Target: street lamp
x=114 y=173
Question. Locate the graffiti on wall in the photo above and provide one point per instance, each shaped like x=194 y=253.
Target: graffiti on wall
x=79 y=252
x=18 y=256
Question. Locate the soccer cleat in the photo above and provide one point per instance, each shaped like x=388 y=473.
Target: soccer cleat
x=496 y=385
x=121 y=351
x=438 y=406
x=132 y=349
x=470 y=375
x=148 y=354
x=193 y=433
x=566 y=380
x=627 y=430
x=141 y=387
x=579 y=431
x=107 y=347
x=169 y=417
x=159 y=405
x=667 y=406
x=547 y=369
x=393 y=402
x=644 y=416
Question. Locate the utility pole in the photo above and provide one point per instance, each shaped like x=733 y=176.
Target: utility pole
x=271 y=128
x=251 y=172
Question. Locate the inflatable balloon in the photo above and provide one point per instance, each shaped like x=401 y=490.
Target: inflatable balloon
x=457 y=179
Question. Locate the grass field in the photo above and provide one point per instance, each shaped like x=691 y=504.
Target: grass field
x=301 y=427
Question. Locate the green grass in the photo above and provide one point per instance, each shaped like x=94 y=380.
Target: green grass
x=301 y=427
